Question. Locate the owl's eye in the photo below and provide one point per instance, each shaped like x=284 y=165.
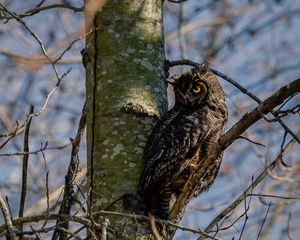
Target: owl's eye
x=196 y=89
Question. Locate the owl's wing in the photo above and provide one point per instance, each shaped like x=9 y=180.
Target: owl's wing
x=171 y=146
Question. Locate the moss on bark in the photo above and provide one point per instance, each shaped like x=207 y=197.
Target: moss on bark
x=126 y=94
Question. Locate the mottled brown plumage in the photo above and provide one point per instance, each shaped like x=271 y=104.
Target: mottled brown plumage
x=182 y=139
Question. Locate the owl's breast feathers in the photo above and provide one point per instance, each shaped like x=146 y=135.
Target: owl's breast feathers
x=176 y=146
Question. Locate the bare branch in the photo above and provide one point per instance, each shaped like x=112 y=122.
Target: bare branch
x=273 y=196
x=37 y=218
x=8 y=223
x=36 y=10
x=236 y=202
x=251 y=141
x=25 y=165
x=67 y=202
x=263 y=222
x=17 y=131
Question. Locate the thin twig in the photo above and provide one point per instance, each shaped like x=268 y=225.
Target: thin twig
x=37 y=235
x=273 y=196
x=47 y=186
x=249 y=140
x=41 y=149
x=42 y=47
x=264 y=173
x=25 y=166
x=246 y=216
x=263 y=222
x=68 y=201
x=38 y=9
x=37 y=218
x=17 y=131
x=146 y=219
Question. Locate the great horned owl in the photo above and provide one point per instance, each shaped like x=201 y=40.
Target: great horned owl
x=181 y=139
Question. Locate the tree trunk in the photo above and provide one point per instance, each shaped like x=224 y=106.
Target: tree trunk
x=126 y=94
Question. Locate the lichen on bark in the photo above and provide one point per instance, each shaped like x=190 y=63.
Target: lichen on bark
x=126 y=94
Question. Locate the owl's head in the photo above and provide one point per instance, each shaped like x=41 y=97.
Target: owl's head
x=195 y=88
x=190 y=89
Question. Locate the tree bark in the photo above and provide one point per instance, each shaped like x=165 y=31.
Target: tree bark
x=126 y=94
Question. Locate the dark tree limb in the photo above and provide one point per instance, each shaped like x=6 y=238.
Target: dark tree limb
x=25 y=165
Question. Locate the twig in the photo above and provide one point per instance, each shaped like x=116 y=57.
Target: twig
x=32 y=34
x=88 y=223
x=8 y=223
x=254 y=30
x=52 y=91
x=249 y=140
x=236 y=202
x=246 y=216
x=104 y=226
x=62 y=217
x=146 y=219
x=42 y=47
x=25 y=165
x=37 y=235
x=37 y=59
x=67 y=201
x=47 y=186
x=47 y=182
x=40 y=9
x=39 y=206
x=11 y=135
x=273 y=196
x=42 y=148
x=73 y=42
x=77 y=231
x=263 y=222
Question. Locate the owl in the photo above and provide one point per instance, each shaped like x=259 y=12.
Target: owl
x=183 y=138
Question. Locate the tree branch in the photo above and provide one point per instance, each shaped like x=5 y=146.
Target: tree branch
x=68 y=201
x=241 y=126
x=237 y=85
x=25 y=164
x=248 y=191
x=40 y=9
x=8 y=222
